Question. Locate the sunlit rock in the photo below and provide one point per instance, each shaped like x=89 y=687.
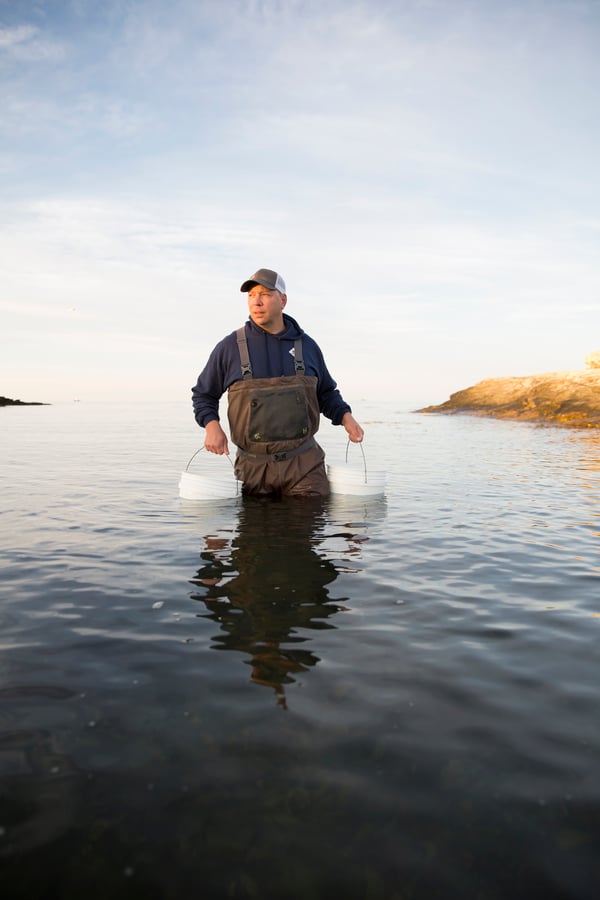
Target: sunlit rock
x=592 y=360
x=560 y=398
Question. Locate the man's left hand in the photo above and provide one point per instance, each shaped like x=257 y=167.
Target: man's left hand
x=355 y=432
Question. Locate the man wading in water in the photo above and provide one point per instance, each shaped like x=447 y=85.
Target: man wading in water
x=278 y=385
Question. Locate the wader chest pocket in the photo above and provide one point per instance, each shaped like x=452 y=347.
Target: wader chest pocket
x=279 y=414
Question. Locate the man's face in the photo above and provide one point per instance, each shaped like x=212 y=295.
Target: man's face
x=266 y=308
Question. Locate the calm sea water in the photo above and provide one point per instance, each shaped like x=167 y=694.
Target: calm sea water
x=384 y=698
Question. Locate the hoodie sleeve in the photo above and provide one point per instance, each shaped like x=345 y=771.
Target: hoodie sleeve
x=332 y=404
x=222 y=368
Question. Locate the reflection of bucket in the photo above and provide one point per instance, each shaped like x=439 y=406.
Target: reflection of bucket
x=208 y=485
x=351 y=480
x=365 y=510
x=210 y=517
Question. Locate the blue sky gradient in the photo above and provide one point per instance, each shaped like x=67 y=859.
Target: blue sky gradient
x=424 y=174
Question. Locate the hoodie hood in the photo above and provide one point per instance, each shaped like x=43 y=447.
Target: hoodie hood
x=291 y=332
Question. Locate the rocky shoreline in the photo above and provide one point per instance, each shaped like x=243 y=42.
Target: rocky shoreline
x=6 y=401
x=569 y=399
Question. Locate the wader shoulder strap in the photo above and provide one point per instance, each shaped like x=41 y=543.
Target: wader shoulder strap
x=298 y=360
x=244 y=356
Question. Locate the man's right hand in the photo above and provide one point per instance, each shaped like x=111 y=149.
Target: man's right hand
x=216 y=439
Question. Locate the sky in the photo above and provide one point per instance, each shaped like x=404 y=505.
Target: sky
x=423 y=173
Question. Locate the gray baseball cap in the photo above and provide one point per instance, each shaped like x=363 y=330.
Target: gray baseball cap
x=268 y=278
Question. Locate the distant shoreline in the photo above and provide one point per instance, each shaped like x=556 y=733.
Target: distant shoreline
x=568 y=399
x=6 y=401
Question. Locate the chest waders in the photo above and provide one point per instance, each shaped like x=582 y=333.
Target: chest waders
x=273 y=422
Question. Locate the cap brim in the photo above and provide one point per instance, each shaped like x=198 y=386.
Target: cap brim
x=248 y=285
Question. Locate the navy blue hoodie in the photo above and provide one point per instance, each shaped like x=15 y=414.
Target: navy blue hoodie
x=270 y=357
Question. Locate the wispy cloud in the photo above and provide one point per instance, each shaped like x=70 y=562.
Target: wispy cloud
x=26 y=44
x=420 y=169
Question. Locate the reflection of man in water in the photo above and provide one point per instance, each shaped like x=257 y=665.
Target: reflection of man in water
x=268 y=587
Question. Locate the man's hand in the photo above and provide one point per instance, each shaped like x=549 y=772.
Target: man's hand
x=216 y=439
x=355 y=432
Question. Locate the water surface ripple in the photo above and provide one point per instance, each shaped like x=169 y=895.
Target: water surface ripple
x=384 y=698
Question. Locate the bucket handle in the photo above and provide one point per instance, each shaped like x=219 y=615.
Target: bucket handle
x=196 y=454
x=363 y=456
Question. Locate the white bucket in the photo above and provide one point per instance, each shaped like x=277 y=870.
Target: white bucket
x=209 y=485
x=356 y=481
x=352 y=480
